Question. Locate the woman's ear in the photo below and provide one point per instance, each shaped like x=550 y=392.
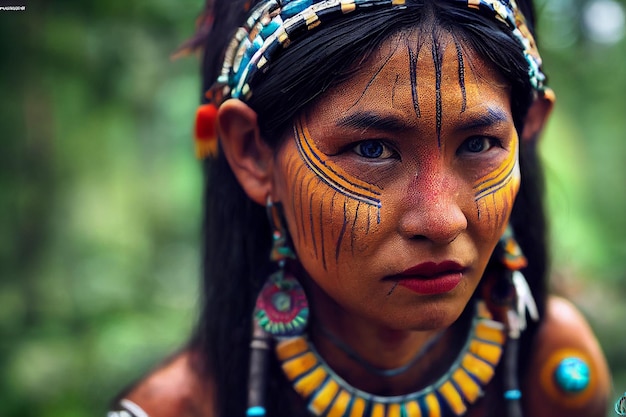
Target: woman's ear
x=537 y=115
x=250 y=158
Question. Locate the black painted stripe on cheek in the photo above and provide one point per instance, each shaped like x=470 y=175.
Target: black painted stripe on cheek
x=312 y=223
x=343 y=230
x=321 y=222
x=294 y=186
x=332 y=209
x=352 y=235
x=305 y=192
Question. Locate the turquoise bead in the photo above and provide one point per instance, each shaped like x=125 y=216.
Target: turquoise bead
x=257 y=44
x=572 y=375
x=269 y=29
x=294 y=7
x=513 y=394
x=255 y=411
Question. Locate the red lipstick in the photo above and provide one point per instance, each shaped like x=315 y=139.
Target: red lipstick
x=431 y=278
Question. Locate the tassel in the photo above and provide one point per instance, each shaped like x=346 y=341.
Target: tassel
x=206 y=131
x=259 y=357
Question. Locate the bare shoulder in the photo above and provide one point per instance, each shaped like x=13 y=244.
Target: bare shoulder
x=568 y=374
x=175 y=389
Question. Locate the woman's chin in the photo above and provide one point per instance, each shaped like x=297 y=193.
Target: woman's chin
x=423 y=319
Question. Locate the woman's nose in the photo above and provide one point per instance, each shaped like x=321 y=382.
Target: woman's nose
x=432 y=210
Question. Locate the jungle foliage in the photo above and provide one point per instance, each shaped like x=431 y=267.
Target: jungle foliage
x=100 y=193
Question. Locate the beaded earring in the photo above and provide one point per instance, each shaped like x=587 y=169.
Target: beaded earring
x=513 y=291
x=508 y=293
x=281 y=311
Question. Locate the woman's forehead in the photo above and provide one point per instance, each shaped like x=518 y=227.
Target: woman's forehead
x=425 y=54
x=418 y=76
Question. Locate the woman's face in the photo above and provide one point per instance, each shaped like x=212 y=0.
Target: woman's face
x=397 y=184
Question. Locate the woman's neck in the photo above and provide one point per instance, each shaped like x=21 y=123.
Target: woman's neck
x=339 y=336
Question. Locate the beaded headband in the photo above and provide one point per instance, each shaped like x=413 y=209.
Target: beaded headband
x=273 y=25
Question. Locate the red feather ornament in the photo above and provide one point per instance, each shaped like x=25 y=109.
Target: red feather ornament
x=206 y=131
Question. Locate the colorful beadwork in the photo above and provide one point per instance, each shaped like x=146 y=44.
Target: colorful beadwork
x=281 y=249
x=329 y=395
x=511 y=254
x=509 y=292
x=281 y=307
x=507 y=12
x=274 y=24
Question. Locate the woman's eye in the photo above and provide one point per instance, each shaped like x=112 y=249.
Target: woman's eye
x=478 y=144
x=373 y=149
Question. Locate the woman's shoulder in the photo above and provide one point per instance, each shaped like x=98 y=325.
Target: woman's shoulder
x=176 y=388
x=568 y=374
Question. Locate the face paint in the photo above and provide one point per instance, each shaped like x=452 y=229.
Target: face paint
x=437 y=60
x=413 y=55
x=496 y=192
x=384 y=64
x=319 y=190
x=381 y=179
x=331 y=174
x=459 y=57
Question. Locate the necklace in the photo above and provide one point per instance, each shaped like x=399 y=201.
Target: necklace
x=374 y=369
x=328 y=394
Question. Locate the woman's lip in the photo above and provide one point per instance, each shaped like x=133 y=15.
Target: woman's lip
x=431 y=277
x=439 y=285
x=428 y=270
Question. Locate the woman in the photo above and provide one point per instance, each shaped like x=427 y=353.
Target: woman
x=383 y=152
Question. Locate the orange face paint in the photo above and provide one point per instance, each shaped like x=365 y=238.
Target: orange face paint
x=496 y=191
x=407 y=168
x=321 y=190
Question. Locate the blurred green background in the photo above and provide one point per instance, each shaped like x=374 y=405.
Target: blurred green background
x=100 y=192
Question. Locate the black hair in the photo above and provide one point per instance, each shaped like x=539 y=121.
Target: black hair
x=236 y=231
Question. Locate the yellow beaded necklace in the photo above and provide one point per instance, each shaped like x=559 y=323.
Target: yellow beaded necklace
x=330 y=395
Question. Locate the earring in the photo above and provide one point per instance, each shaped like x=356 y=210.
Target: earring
x=521 y=301
x=508 y=293
x=506 y=290
x=510 y=252
x=282 y=308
